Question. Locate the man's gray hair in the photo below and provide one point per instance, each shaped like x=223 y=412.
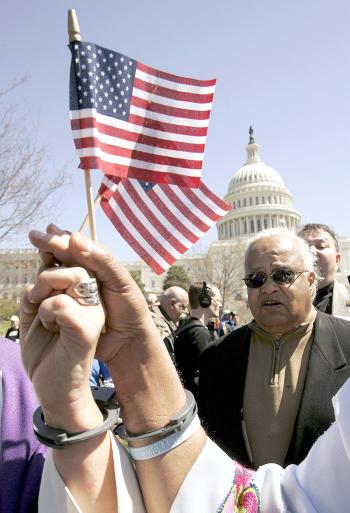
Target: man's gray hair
x=309 y=258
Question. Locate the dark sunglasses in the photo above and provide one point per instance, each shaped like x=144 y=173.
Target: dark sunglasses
x=281 y=276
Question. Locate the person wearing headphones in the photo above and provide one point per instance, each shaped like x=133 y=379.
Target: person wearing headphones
x=192 y=336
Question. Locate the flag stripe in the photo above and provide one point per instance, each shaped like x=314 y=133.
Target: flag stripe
x=168 y=110
x=157 y=244
x=167 y=127
x=109 y=126
x=139 y=235
x=166 y=92
x=139 y=141
x=108 y=186
x=175 y=215
x=145 y=124
x=213 y=200
x=116 y=169
x=191 y=198
x=168 y=214
x=132 y=241
x=144 y=162
x=165 y=118
x=89 y=137
x=174 y=78
x=135 y=154
x=151 y=219
x=190 y=215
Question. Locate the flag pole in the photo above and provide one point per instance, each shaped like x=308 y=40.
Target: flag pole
x=74 y=35
x=86 y=220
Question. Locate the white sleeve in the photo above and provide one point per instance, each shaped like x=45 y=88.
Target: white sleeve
x=55 y=497
x=207 y=483
x=322 y=479
x=320 y=484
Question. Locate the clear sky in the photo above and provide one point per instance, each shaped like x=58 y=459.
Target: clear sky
x=283 y=67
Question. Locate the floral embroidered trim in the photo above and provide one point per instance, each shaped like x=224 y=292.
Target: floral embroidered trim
x=243 y=497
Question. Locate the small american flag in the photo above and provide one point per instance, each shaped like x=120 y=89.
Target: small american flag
x=130 y=120
x=160 y=221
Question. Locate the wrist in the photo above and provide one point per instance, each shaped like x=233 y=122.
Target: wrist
x=80 y=416
x=178 y=421
x=80 y=431
x=143 y=408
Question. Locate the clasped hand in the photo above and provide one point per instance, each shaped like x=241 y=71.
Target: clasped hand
x=57 y=352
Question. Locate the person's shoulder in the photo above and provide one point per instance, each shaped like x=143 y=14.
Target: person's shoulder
x=155 y=312
x=332 y=326
x=334 y=320
x=10 y=354
x=226 y=342
x=12 y=369
x=194 y=323
x=189 y=324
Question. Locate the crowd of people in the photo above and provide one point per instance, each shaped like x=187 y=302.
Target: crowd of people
x=272 y=394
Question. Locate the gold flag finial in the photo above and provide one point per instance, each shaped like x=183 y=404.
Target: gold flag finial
x=73 y=26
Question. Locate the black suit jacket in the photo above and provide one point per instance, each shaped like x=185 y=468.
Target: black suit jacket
x=190 y=339
x=222 y=378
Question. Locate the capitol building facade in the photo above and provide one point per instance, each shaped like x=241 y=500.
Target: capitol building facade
x=259 y=200
x=258 y=197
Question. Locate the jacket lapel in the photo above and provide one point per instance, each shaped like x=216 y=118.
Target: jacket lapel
x=326 y=341
x=315 y=410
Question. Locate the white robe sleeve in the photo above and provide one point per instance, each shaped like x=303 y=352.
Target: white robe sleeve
x=320 y=484
x=207 y=483
x=55 y=497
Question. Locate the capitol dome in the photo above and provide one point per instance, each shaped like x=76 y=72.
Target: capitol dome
x=255 y=172
x=258 y=197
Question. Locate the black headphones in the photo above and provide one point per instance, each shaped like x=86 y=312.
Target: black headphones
x=205 y=297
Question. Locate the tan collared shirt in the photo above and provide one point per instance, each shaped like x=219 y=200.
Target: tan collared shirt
x=274 y=383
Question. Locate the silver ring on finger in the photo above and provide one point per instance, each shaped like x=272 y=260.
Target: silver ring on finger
x=87 y=293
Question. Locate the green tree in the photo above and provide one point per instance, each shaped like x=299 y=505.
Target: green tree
x=176 y=276
x=136 y=276
x=8 y=308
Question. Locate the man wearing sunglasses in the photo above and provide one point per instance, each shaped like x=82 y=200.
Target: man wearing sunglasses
x=265 y=389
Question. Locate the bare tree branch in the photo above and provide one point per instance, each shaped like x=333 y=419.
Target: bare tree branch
x=223 y=267
x=27 y=187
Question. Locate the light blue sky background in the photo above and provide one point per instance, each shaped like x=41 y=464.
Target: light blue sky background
x=283 y=67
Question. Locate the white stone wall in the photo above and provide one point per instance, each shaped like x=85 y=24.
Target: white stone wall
x=344 y=247
x=17 y=269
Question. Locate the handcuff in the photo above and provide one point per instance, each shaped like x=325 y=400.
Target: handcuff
x=105 y=399
x=59 y=438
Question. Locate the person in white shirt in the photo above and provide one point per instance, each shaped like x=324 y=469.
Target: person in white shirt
x=185 y=473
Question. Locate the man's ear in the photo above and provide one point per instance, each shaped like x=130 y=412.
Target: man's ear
x=311 y=278
x=337 y=259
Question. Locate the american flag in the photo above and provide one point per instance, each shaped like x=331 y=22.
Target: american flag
x=160 y=221
x=130 y=120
